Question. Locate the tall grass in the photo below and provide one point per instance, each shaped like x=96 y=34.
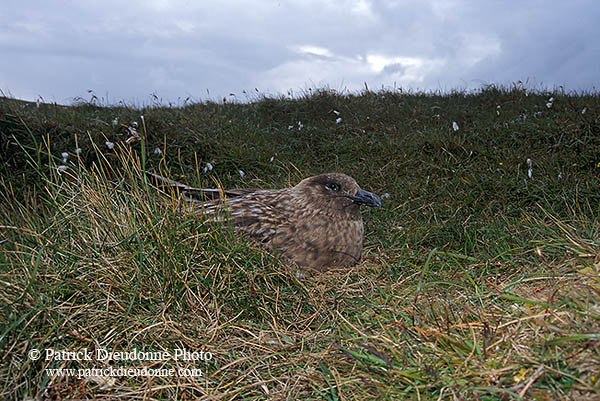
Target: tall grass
x=476 y=282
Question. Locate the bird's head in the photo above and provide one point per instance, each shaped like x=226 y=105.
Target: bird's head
x=337 y=191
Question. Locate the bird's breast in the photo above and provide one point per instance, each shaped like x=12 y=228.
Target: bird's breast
x=320 y=241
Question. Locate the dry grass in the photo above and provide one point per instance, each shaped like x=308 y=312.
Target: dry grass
x=95 y=258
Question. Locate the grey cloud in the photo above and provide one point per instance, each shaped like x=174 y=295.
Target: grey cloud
x=176 y=49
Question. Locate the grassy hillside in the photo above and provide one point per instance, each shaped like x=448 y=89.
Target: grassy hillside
x=480 y=277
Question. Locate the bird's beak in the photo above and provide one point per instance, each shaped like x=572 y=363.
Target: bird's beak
x=362 y=197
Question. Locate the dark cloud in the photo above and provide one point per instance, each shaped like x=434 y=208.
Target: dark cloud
x=60 y=50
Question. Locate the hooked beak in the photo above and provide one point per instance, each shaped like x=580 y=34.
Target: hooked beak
x=362 y=197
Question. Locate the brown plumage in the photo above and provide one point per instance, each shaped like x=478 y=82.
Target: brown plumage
x=316 y=223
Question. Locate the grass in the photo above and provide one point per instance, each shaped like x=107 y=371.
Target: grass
x=476 y=282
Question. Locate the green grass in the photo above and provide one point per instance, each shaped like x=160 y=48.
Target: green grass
x=476 y=282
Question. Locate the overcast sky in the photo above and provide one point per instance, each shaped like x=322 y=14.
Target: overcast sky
x=129 y=49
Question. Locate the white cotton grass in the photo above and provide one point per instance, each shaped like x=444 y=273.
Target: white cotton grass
x=157 y=151
x=298 y=123
x=208 y=167
x=338 y=120
x=65 y=156
x=550 y=103
x=77 y=151
x=241 y=173
x=529 y=168
x=134 y=135
x=584 y=110
x=110 y=145
x=455 y=126
x=62 y=168
x=498 y=110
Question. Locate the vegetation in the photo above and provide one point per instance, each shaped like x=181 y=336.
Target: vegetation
x=480 y=277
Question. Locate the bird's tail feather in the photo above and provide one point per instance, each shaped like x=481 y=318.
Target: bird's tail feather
x=204 y=194
x=190 y=193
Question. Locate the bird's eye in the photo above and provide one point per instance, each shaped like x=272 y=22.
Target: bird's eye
x=332 y=186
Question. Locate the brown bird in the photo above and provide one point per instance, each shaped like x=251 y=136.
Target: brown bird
x=316 y=223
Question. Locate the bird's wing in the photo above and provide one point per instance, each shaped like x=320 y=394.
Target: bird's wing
x=257 y=214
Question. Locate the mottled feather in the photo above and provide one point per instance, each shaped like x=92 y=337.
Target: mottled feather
x=316 y=223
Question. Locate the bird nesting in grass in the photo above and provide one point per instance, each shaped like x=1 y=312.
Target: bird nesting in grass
x=315 y=224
